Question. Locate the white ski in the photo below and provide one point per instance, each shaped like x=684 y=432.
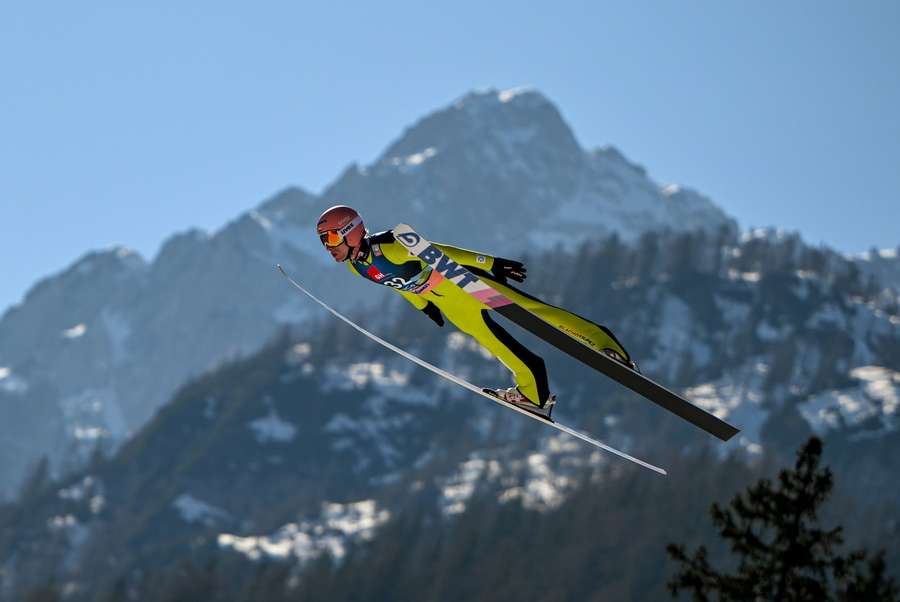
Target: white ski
x=468 y=385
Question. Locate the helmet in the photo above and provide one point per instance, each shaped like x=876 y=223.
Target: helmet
x=340 y=224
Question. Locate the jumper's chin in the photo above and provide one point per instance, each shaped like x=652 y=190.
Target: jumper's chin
x=340 y=254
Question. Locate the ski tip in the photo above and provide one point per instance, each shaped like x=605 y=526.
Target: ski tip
x=730 y=433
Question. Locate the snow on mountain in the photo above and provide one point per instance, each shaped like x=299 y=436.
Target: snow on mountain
x=87 y=490
x=336 y=527
x=882 y=264
x=737 y=398
x=538 y=481
x=194 y=510
x=870 y=407
x=10 y=383
x=373 y=433
x=272 y=428
x=91 y=415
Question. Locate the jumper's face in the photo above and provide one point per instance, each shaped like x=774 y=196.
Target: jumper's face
x=339 y=253
x=335 y=244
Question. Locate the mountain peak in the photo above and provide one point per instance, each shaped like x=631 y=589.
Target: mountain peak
x=94 y=264
x=488 y=126
x=286 y=202
x=490 y=99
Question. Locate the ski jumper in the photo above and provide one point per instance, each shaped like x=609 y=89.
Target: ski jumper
x=387 y=262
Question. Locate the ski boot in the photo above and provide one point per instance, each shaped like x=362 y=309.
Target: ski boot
x=514 y=397
x=616 y=356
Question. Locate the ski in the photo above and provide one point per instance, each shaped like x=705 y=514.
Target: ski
x=463 y=383
x=483 y=292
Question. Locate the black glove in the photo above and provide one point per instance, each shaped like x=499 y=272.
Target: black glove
x=431 y=310
x=507 y=268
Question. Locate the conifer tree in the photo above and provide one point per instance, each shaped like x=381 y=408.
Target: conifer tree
x=782 y=552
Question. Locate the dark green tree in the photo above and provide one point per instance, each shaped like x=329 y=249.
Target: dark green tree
x=782 y=553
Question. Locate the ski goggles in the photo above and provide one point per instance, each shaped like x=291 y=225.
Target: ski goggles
x=334 y=238
x=331 y=238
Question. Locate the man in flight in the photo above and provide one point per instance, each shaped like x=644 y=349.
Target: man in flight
x=379 y=258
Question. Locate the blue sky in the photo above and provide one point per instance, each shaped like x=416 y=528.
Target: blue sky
x=122 y=123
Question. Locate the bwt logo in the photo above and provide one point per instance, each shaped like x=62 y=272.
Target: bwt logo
x=446 y=266
x=435 y=258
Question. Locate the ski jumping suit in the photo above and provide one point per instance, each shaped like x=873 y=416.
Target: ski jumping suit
x=389 y=263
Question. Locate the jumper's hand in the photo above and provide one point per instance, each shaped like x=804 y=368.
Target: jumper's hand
x=508 y=268
x=431 y=310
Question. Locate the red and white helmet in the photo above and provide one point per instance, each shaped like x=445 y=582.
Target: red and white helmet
x=340 y=224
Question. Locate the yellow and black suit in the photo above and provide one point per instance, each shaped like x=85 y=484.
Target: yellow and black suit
x=389 y=263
